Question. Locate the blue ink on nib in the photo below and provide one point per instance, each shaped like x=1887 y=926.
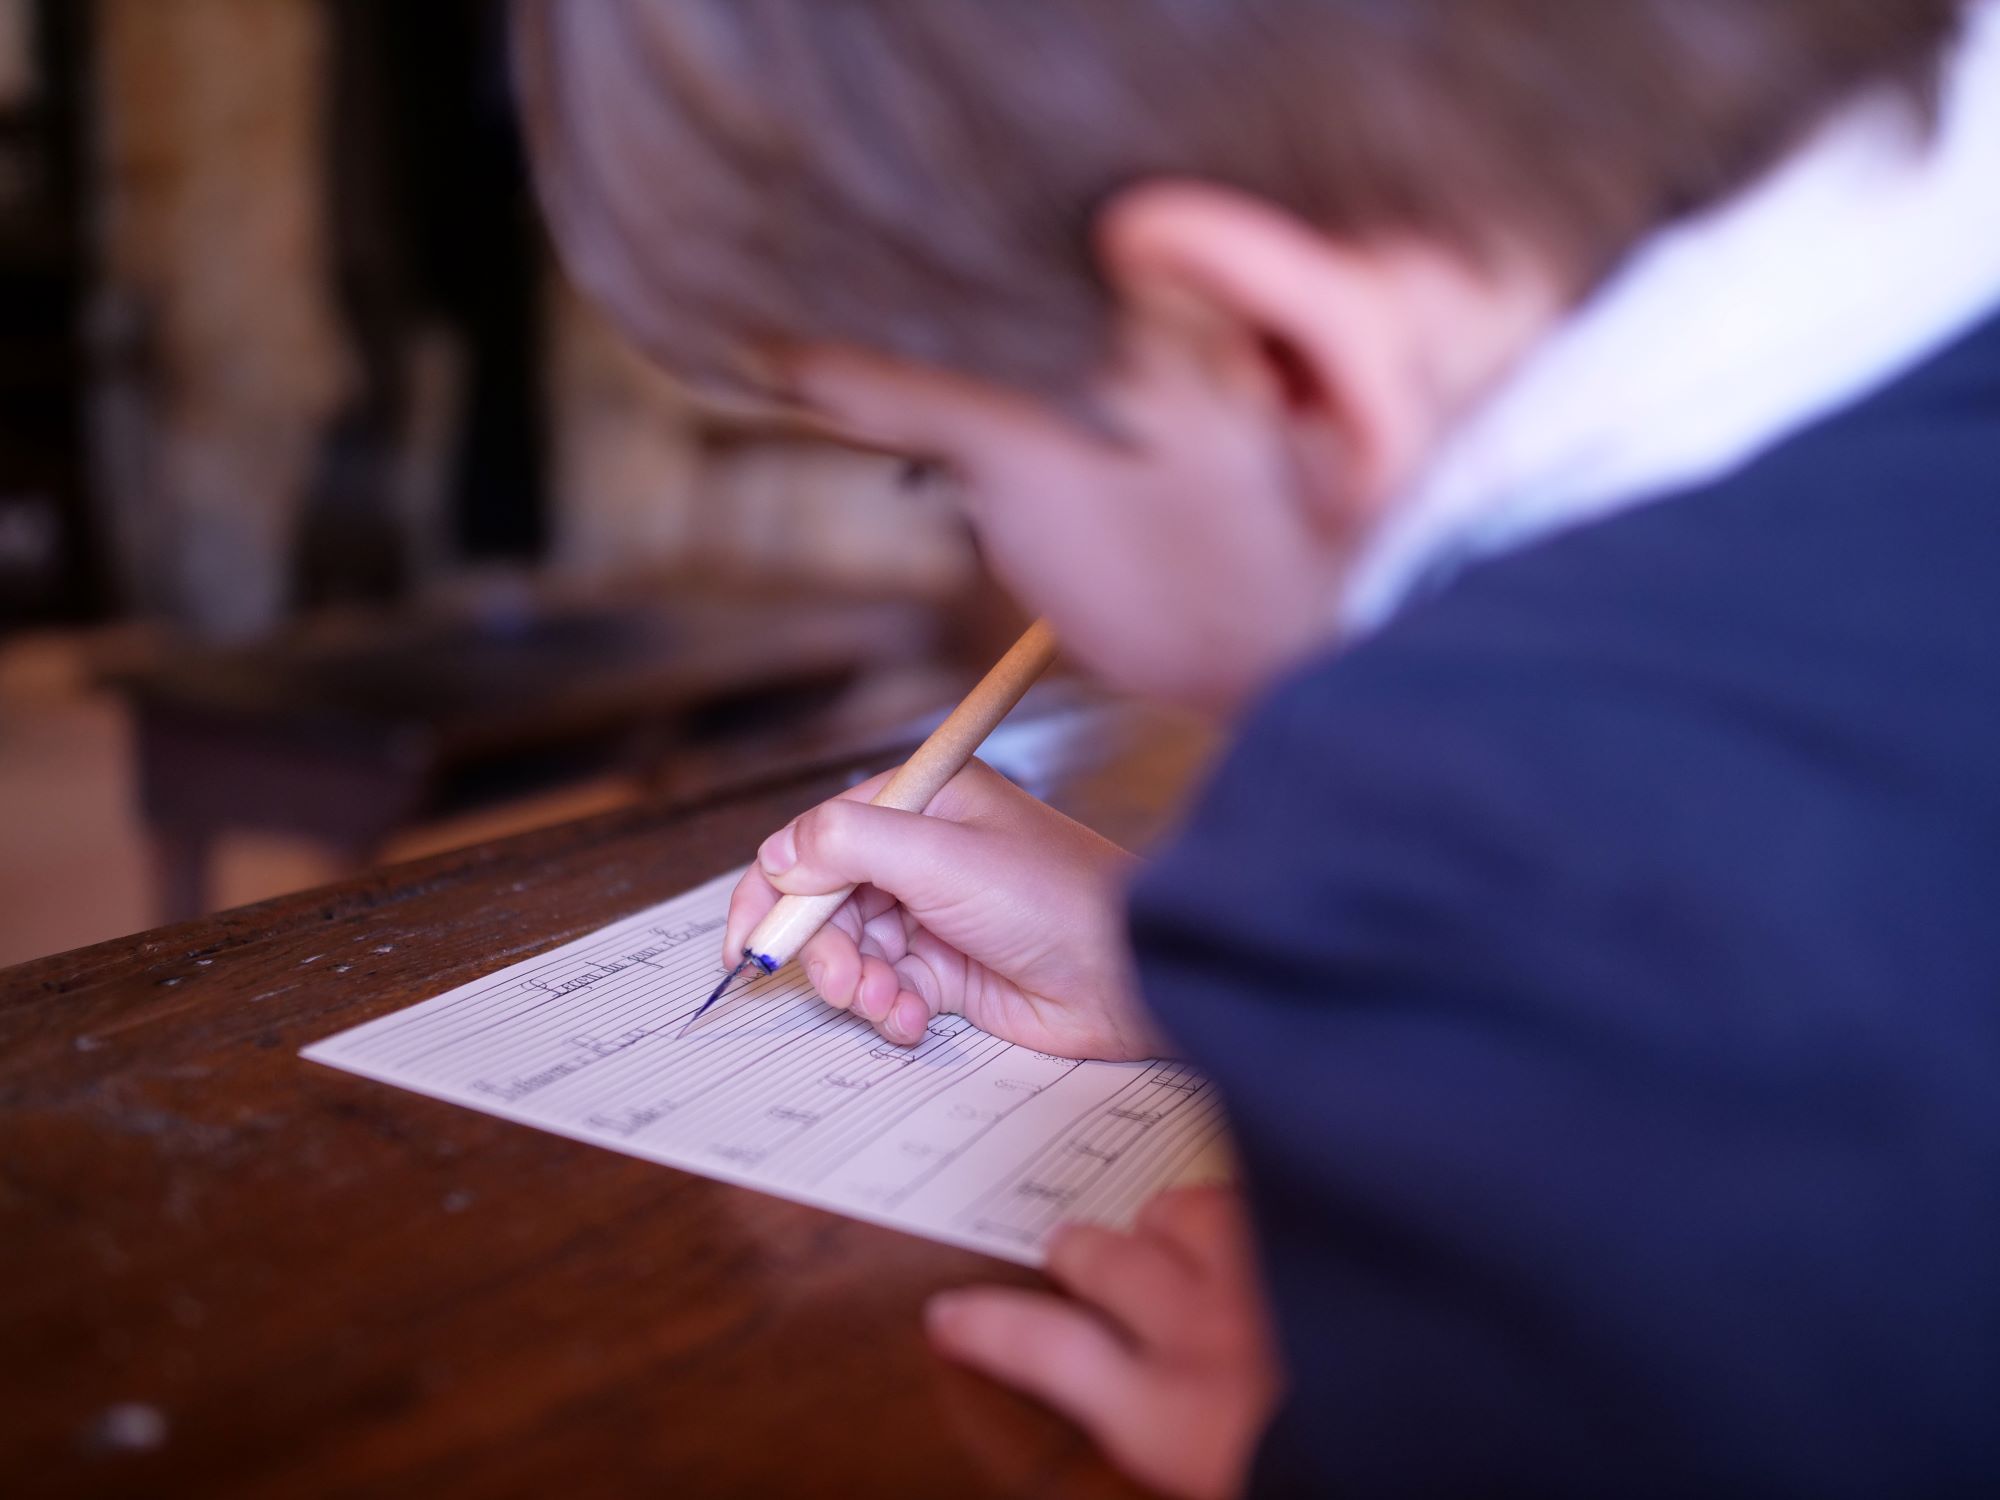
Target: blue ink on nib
x=727 y=980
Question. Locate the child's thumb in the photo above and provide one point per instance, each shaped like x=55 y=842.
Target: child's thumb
x=923 y=862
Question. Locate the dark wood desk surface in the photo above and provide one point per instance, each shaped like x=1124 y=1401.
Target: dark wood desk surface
x=231 y=1272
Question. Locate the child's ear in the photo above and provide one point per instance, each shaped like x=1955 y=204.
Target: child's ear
x=1346 y=333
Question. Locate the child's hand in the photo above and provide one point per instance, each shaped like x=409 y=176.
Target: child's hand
x=991 y=905
x=1169 y=1362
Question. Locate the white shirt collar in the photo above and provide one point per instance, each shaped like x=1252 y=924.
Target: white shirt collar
x=1864 y=254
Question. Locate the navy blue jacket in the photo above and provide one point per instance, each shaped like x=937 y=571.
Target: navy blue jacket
x=1602 y=968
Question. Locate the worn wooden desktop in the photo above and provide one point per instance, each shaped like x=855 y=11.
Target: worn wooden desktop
x=231 y=1272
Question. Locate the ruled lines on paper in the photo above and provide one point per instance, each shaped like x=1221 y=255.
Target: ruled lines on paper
x=964 y=1138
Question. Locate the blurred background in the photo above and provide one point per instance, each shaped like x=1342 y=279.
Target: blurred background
x=334 y=528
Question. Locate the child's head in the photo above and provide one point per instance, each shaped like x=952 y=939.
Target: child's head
x=1185 y=289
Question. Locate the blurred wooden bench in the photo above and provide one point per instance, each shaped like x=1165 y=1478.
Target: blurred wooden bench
x=349 y=732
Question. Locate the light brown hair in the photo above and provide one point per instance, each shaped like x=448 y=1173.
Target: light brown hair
x=919 y=177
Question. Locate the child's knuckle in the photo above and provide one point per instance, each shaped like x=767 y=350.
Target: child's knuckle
x=817 y=835
x=1078 y=1252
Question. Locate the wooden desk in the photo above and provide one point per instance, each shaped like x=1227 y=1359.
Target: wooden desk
x=230 y=1272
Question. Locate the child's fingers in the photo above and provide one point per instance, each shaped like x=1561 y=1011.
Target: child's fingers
x=924 y=862
x=978 y=793
x=976 y=796
x=1209 y=1229
x=752 y=898
x=884 y=933
x=907 y=1020
x=868 y=905
x=1043 y=1345
x=875 y=993
x=918 y=972
x=884 y=1000
x=832 y=963
x=1142 y=1283
x=1205 y=1224
x=850 y=963
x=755 y=895
x=914 y=999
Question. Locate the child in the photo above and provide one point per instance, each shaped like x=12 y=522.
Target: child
x=1564 y=439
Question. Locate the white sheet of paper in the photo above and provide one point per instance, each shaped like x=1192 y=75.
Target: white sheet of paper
x=965 y=1139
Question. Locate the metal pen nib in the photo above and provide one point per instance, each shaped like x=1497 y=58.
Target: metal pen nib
x=727 y=980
